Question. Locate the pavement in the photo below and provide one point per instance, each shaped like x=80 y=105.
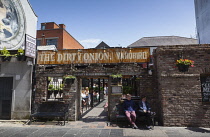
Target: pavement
x=93 y=124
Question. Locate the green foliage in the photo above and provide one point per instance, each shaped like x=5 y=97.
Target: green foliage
x=56 y=88
x=5 y=52
x=69 y=77
x=20 y=51
x=97 y=89
x=61 y=87
x=50 y=87
x=127 y=90
x=116 y=76
x=49 y=78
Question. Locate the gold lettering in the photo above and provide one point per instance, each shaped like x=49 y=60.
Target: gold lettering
x=59 y=57
x=92 y=56
x=79 y=56
x=52 y=57
x=86 y=56
x=47 y=57
x=41 y=57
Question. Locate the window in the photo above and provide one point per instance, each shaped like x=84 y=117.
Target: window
x=55 y=88
x=43 y=27
x=52 y=42
x=38 y=42
x=205 y=87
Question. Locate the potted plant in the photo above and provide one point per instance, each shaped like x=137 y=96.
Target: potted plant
x=50 y=90
x=50 y=87
x=20 y=55
x=69 y=79
x=116 y=78
x=184 y=64
x=5 y=54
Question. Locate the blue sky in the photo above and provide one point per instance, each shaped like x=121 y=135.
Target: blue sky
x=118 y=22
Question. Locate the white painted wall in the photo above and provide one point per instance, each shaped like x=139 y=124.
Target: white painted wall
x=31 y=18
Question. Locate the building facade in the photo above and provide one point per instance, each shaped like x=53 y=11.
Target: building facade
x=202 y=12
x=15 y=75
x=54 y=34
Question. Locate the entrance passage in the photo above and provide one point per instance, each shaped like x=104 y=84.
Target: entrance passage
x=93 y=91
x=96 y=114
x=94 y=95
x=6 y=84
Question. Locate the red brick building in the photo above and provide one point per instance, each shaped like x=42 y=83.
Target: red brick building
x=54 y=34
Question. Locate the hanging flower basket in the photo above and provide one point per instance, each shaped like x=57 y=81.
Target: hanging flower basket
x=69 y=79
x=5 y=54
x=184 y=64
x=183 y=68
x=20 y=55
x=116 y=79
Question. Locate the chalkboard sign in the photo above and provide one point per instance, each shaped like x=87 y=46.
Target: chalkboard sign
x=205 y=87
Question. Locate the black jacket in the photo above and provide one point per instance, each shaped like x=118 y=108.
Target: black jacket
x=141 y=106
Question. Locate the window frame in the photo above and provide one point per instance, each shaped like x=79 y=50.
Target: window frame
x=52 y=43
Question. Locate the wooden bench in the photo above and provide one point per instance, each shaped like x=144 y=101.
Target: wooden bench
x=120 y=114
x=51 y=110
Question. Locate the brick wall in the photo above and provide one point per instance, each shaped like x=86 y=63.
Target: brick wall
x=179 y=93
x=54 y=31
x=145 y=84
x=69 y=90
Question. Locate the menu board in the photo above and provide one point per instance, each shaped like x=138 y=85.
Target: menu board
x=205 y=87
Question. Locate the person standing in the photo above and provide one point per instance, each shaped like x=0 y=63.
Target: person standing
x=145 y=110
x=129 y=108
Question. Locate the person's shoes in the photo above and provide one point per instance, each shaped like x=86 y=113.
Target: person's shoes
x=134 y=127
x=149 y=127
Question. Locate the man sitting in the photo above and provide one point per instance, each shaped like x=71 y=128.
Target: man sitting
x=129 y=108
x=145 y=110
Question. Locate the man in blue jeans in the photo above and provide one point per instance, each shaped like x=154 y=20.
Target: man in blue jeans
x=129 y=108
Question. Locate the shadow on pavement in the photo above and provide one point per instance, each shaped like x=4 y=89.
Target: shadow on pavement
x=198 y=129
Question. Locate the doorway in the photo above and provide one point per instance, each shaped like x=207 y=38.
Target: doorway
x=92 y=91
x=93 y=98
x=6 y=84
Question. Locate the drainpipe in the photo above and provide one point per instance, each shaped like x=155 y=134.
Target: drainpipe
x=33 y=82
x=99 y=91
x=91 y=93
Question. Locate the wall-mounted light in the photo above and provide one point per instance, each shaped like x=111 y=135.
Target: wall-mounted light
x=29 y=63
x=150 y=72
x=17 y=77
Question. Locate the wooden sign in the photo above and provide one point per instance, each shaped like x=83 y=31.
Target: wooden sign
x=83 y=56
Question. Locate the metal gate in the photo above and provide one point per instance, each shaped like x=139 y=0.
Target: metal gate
x=6 y=84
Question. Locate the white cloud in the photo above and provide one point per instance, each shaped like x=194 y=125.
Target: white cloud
x=90 y=43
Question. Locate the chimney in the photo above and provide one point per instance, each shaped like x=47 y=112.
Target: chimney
x=62 y=26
